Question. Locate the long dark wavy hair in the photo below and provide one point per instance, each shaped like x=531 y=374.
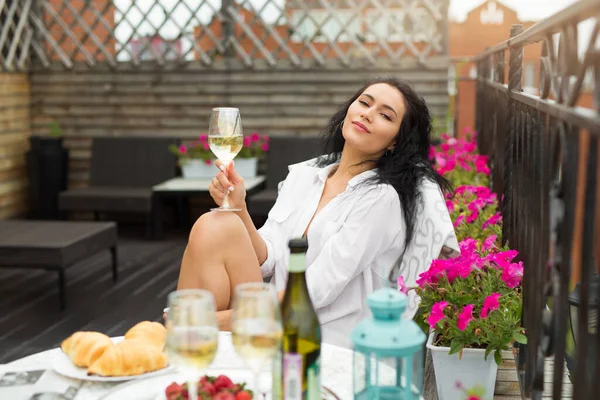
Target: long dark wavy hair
x=407 y=165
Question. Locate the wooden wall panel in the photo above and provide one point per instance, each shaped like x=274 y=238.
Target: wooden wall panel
x=14 y=132
x=178 y=102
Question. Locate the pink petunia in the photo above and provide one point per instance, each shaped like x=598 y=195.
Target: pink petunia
x=459 y=268
x=208 y=162
x=473 y=216
x=493 y=220
x=206 y=146
x=247 y=141
x=432 y=153
x=490 y=304
x=470 y=147
x=513 y=275
x=450 y=205
x=466 y=316
x=473 y=397
x=265 y=146
x=437 y=313
x=481 y=165
x=468 y=246
x=183 y=149
x=203 y=138
x=255 y=137
x=489 y=242
x=401 y=285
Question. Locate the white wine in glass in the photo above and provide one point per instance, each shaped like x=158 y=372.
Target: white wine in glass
x=256 y=328
x=192 y=333
x=225 y=139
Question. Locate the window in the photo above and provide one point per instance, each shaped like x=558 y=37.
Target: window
x=398 y=25
x=320 y=25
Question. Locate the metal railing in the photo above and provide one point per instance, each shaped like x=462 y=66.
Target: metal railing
x=544 y=155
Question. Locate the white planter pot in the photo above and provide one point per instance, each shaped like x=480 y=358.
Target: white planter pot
x=198 y=169
x=246 y=167
x=470 y=371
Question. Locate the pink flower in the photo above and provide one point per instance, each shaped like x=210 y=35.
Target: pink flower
x=490 y=304
x=265 y=146
x=473 y=397
x=266 y=138
x=468 y=246
x=432 y=152
x=401 y=285
x=466 y=316
x=450 y=205
x=203 y=138
x=206 y=146
x=208 y=162
x=473 y=216
x=493 y=220
x=513 y=274
x=464 y=165
x=460 y=268
x=445 y=147
x=247 y=141
x=481 y=165
x=255 y=137
x=437 y=313
x=470 y=147
x=466 y=130
x=488 y=243
x=182 y=149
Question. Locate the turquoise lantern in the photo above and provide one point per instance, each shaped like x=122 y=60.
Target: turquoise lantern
x=388 y=351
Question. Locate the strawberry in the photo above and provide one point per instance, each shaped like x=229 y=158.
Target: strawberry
x=172 y=391
x=208 y=387
x=243 y=395
x=224 y=396
x=223 y=382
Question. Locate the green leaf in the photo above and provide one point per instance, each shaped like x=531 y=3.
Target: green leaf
x=456 y=346
x=488 y=350
x=519 y=337
x=498 y=357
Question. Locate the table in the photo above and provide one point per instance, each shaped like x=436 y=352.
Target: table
x=55 y=245
x=184 y=188
x=336 y=368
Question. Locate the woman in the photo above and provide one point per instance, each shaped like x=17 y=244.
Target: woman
x=373 y=195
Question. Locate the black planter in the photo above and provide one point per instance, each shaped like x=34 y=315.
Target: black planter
x=48 y=165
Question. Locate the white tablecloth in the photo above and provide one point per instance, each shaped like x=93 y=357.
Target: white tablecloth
x=336 y=370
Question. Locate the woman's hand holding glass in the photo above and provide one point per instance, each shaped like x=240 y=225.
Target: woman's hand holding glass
x=228 y=181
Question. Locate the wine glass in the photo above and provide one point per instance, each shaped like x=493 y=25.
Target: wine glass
x=256 y=328
x=192 y=333
x=225 y=140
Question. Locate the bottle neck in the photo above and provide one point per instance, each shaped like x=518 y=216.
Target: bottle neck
x=297 y=273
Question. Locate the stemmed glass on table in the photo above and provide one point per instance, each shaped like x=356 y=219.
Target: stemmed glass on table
x=256 y=327
x=225 y=139
x=192 y=333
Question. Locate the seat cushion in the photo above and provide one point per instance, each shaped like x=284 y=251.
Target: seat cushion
x=260 y=204
x=106 y=199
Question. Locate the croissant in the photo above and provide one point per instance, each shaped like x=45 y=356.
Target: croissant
x=151 y=332
x=83 y=348
x=129 y=357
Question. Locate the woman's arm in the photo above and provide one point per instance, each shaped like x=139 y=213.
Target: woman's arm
x=260 y=247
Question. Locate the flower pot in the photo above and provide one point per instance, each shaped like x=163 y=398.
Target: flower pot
x=198 y=169
x=469 y=371
x=246 y=167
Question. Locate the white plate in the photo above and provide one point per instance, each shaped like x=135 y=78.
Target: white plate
x=63 y=365
x=154 y=389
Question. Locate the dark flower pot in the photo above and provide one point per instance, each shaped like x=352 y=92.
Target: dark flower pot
x=48 y=165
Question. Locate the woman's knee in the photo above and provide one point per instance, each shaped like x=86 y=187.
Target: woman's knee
x=216 y=227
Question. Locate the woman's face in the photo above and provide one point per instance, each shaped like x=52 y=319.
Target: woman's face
x=373 y=119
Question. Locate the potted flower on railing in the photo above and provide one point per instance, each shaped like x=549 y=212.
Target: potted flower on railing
x=197 y=160
x=471 y=306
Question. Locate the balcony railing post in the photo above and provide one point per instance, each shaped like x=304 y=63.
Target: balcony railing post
x=506 y=151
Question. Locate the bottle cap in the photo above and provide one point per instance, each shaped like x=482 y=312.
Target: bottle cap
x=298 y=245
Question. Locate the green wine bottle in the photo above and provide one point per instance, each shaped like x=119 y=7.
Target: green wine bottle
x=300 y=375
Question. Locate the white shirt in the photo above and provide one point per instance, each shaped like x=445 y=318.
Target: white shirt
x=354 y=243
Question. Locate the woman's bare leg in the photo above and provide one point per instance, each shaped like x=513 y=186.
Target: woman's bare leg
x=219 y=255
